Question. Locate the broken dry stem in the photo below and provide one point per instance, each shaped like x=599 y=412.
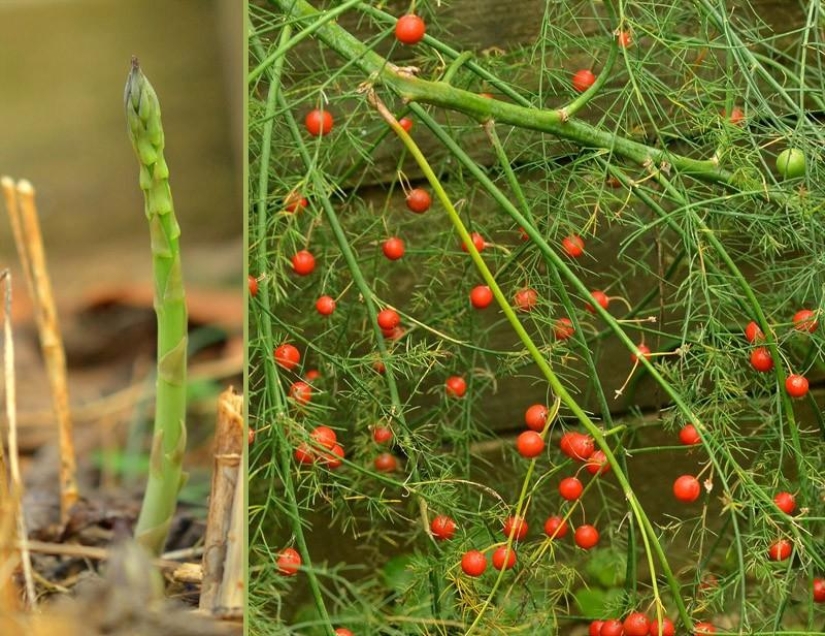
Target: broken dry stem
x=27 y=236
x=227 y=462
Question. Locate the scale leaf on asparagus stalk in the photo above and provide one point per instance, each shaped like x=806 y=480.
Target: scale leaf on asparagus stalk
x=169 y=438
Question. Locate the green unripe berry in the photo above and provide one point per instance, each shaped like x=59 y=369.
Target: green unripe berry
x=791 y=163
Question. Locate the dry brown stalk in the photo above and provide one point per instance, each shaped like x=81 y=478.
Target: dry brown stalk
x=27 y=236
x=220 y=544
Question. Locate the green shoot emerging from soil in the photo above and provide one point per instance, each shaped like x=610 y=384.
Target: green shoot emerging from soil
x=169 y=439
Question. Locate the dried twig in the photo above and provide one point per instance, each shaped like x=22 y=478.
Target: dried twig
x=27 y=236
x=219 y=542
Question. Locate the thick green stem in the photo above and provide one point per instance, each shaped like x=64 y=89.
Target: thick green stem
x=169 y=438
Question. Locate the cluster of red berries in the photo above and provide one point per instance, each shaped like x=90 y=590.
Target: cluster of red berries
x=761 y=360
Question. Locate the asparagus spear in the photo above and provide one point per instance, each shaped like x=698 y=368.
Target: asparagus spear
x=169 y=438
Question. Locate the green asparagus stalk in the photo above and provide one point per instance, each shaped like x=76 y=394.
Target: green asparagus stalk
x=169 y=438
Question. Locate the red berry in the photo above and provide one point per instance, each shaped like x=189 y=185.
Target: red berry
x=303 y=263
x=582 y=80
x=780 y=550
x=667 y=628
x=573 y=245
x=577 y=446
x=796 y=385
x=805 y=320
x=312 y=374
x=636 y=624
x=478 y=242
x=381 y=435
x=333 y=458
x=761 y=360
x=294 y=202
x=406 y=123
x=253 y=286
x=442 y=527
x=597 y=463
x=481 y=296
x=586 y=536
x=343 y=631
x=385 y=463
x=602 y=299
x=504 y=558
x=410 y=29
x=456 y=386
x=324 y=436
x=624 y=39
x=288 y=562
x=536 y=417
x=473 y=563
x=515 y=528
x=526 y=299
x=570 y=488
x=325 y=305
x=393 y=248
x=819 y=590
x=689 y=435
x=563 y=329
x=304 y=454
x=737 y=116
x=529 y=444
x=595 y=628
x=287 y=356
x=318 y=122
x=785 y=501
x=388 y=319
x=687 y=488
x=753 y=333
x=700 y=629
x=555 y=527
x=418 y=200
x=643 y=350
x=612 y=627
x=301 y=392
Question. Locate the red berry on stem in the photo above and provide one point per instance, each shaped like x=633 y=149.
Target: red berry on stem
x=481 y=296
x=343 y=631
x=478 y=242
x=473 y=563
x=780 y=550
x=325 y=305
x=456 y=386
x=406 y=123
x=624 y=39
x=442 y=527
x=785 y=501
x=288 y=562
x=563 y=329
x=504 y=558
x=586 y=536
x=555 y=527
x=805 y=320
x=529 y=444
x=753 y=333
x=602 y=299
x=253 y=286
x=287 y=356
x=689 y=435
x=761 y=360
x=612 y=627
x=573 y=245
x=385 y=463
x=294 y=202
x=526 y=299
x=636 y=624
x=796 y=385
x=410 y=29
x=388 y=319
x=381 y=435
x=312 y=374
x=702 y=628
x=515 y=527
x=324 y=436
x=304 y=454
x=644 y=351
x=582 y=80
x=595 y=628
x=570 y=488
x=577 y=446
x=819 y=590
x=687 y=488
x=301 y=392
x=737 y=116
x=393 y=248
x=418 y=200
x=597 y=463
x=318 y=122
x=536 y=417
x=667 y=628
x=333 y=458
x=303 y=263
